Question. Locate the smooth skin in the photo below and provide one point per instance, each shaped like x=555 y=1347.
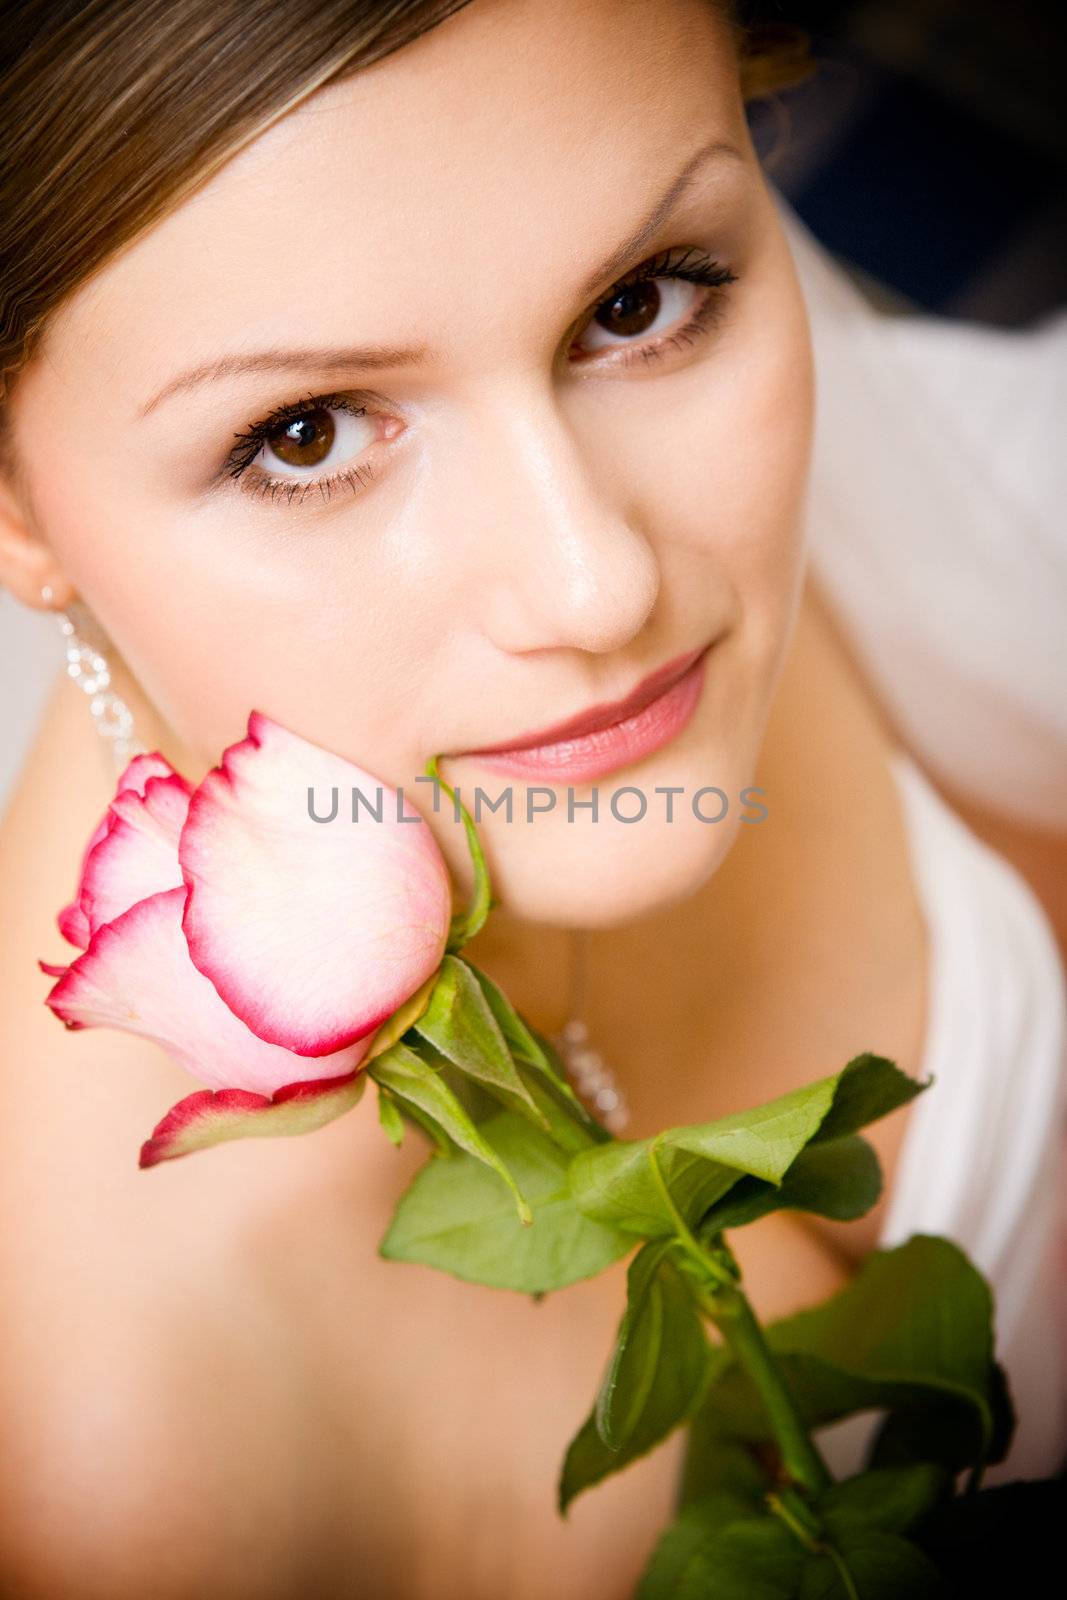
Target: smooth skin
x=211 y=1384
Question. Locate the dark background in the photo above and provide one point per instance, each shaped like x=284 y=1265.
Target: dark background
x=929 y=151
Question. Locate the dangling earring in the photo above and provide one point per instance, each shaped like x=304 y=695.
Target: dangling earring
x=87 y=665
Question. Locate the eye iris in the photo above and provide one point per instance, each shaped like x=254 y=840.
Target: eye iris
x=633 y=310
x=305 y=440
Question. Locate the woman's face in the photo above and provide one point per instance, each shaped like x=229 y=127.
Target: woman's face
x=542 y=487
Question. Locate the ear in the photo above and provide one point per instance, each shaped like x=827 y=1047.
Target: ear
x=26 y=562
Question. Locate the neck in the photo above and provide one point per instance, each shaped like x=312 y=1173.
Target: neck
x=152 y=730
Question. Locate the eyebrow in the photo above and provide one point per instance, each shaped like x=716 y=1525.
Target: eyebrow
x=371 y=358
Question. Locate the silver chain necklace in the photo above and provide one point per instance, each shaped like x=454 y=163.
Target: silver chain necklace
x=593 y=1079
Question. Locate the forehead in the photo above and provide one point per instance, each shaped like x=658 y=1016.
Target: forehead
x=511 y=133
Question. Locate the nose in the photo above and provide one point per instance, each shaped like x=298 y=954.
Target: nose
x=555 y=559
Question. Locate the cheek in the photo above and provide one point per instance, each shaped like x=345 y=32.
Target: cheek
x=738 y=480
x=727 y=478
x=213 y=620
x=764 y=492
x=767 y=498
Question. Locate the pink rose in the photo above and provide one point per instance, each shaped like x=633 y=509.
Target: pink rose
x=263 y=950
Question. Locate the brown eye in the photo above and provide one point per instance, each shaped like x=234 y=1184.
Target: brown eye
x=648 y=306
x=632 y=311
x=305 y=440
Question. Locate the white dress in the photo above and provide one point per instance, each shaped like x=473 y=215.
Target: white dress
x=936 y=528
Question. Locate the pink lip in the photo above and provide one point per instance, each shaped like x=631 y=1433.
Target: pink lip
x=609 y=735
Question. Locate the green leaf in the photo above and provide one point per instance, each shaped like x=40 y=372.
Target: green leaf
x=683 y=1547
x=554 y=1118
x=654 y=1380
x=766 y=1139
x=913 y=1327
x=417 y=1084
x=723 y=1482
x=747 y=1558
x=879 y=1566
x=700 y=1165
x=460 y=1024
x=474 y=1097
x=716 y=1461
x=443 y=1145
x=944 y=1430
x=530 y=1047
x=568 y=1133
x=390 y=1118
x=455 y=1217
x=838 y=1178
x=868 y=1087
x=717 y=1549
x=639 y=1349
x=893 y=1499
x=615 y=1183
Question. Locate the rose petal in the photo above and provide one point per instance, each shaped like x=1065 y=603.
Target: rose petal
x=73 y=920
x=137 y=771
x=211 y=1117
x=312 y=933
x=136 y=975
x=138 y=855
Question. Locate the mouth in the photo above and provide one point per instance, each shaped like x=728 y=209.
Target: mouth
x=610 y=734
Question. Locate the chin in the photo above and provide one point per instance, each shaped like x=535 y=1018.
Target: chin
x=607 y=873
x=622 y=893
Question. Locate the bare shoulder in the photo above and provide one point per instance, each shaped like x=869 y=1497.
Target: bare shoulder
x=151 y=1374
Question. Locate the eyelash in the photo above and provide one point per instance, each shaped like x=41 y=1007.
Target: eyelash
x=251 y=441
x=702 y=269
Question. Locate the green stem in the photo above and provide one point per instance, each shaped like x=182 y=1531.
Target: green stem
x=726 y=1305
x=842 y=1571
x=465 y=924
x=798 y=1519
x=731 y=1313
